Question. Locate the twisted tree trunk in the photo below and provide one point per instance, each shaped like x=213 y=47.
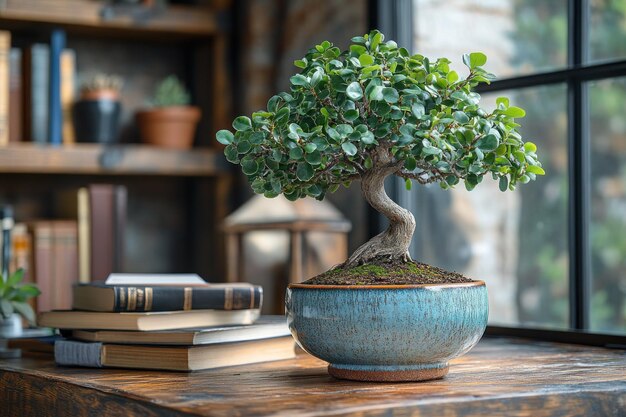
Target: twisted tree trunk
x=394 y=242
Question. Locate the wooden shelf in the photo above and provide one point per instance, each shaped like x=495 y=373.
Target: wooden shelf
x=81 y=16
x=96 y=159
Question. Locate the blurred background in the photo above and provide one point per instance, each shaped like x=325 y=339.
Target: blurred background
x=553 y=253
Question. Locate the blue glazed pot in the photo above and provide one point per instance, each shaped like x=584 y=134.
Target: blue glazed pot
x=387 y=332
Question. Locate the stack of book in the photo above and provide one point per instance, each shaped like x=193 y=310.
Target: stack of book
x=168 y=327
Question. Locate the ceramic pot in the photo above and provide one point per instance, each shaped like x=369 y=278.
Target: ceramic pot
x=387 y=332
x=11 y=327
x=169 y=127
x=96 y=120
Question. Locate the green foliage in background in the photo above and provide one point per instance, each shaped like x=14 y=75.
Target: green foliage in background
x=170 y=92
x=14 y=296
x=346 y=109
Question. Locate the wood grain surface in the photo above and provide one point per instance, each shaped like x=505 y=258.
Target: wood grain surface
x=500 y=377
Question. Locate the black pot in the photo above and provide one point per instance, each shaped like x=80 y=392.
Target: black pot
x=97 y=121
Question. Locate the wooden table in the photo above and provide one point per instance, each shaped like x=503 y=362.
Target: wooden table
x=509 y=377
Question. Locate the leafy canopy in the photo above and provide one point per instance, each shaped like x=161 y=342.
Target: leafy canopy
x=14 y=296
x=347 y=108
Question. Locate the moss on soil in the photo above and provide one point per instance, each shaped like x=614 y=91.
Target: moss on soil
x=383 y=272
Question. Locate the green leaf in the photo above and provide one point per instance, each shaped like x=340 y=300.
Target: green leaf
x=6 y=308
x=408 y=184
x=503 y=183
x=410 y=163
x=282 y=115
x=460 y=117
x=390 y=95
x=502 y=100
x=375 y=41
x=515 y=112
x=534 y=169
x=257 y=138
x=368 y=138
x=477 y=59
x=366 y=59
x=295 y=154
x=333 y=134
x=249 y=166
x=487 y=143
x=530 y=147
x=299 y=79
x=25 y=310
x=351 y=115
x=304 y=171
x=231 y=153
x=310 y=147
x=316 y=77
x=376 y=94
x=225 y=137
x=313 y=158
x=300 y=63
x=354 y=91
x=452 y=77
x=242 y=123
x=243 y=147
x=349 y=148
x=15 y=278
x=418 y=110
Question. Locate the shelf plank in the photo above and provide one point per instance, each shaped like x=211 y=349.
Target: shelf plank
x=85 y=17
x=96 y=159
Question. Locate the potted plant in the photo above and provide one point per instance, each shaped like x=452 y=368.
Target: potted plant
x=97 y=112
x=14 y=297
x=365 y=114
x=170 y=122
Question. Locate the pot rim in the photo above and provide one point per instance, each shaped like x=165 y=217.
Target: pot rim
x=474 y=283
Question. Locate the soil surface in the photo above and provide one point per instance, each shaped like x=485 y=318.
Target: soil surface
x=384 y=272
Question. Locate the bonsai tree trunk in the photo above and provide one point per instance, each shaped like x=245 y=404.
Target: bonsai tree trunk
x=394 y=242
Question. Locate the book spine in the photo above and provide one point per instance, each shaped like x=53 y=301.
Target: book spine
x=5 y=47
x=127 y=299
x=84 y=242
x=42 y=261
x=68 y=89
x=38 y=92
x=101 y=221
x=55 y=121
x=71 y=353
x=119 y=223
x=15 y=95
x=65 y=249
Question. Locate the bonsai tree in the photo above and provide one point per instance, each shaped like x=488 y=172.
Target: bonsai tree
x=373 y=111
x=14 y=296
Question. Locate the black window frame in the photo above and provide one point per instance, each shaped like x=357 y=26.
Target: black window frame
x=395 y=18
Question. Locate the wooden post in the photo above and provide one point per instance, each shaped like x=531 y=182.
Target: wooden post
x=295 y=255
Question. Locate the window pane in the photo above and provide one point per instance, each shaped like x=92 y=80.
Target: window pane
x=515 y=241
x=607 y=133
x=607 y=30
x=518 y=36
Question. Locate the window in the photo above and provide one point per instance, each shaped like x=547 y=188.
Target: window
x=554 y=252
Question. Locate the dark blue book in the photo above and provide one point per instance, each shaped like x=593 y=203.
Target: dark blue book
x=55 y=121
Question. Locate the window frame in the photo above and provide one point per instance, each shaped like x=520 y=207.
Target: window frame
x=395 y=18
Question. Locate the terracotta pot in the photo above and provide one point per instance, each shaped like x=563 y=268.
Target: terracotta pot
x=169 y=127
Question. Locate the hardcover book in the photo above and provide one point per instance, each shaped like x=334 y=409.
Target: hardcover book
x=69 y=319
x=265 y=328
x=123 y=298
x=174 y=358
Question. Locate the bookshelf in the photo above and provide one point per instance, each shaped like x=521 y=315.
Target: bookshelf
x=86 y=18
x=117 y=160
x=177 y=198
